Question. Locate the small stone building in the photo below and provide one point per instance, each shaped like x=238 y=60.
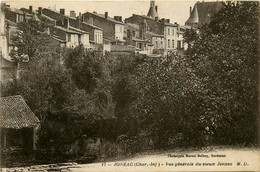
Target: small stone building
x=18 y=125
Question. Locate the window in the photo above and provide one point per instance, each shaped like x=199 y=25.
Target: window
x=169 y=43
x=169 y=32
x=178 y=44
x=69 y=37
x=172 y=32
x=19 y=18
x=96 y=38
x=133 y=33
x=139 y=45
x=172 y=43
x=161 y=44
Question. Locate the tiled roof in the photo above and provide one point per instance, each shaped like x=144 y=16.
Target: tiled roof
x=78 y=30
x=15 y=113
x=47 y=17
x=108 y=18
x=91 y=25
x=66 y=30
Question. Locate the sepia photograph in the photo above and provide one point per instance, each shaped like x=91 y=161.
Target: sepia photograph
x=136 y=85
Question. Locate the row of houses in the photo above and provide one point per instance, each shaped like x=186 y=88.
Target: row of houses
x=143 y=34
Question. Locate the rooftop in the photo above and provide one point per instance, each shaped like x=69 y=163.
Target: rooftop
x=78 y=30
x=15 y=113
x=17 y=11
x=91 y=25
x=67 y=30
x=108 y=18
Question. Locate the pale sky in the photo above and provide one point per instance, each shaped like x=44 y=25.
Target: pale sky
x=176 y=11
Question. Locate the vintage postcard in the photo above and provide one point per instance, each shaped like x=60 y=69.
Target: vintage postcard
x=137 y=85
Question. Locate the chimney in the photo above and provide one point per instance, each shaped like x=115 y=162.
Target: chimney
x=30 y=9
x=106 y=15
x=94 y=12
x=163 y=20
x=90 y=20
x=80 y=17
x=156 y=8
x=66 y=23
x=120 y=18
x=40 y=10
x=175 y=22
x=168 y=20
x=190 y=10
x=62 y=11
x=72 y=14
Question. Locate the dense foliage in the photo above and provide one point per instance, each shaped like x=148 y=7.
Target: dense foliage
x=225 y=57
x=207 y=97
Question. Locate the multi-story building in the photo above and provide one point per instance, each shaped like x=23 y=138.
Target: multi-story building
x=62 y=29
x=164 y=36
x=8 y=69
x=113 y=28
x=173 y=37
x=134 y=37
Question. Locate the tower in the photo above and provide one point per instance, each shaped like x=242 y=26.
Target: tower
x=153 y=11
x=193 y=20
x=152 y=3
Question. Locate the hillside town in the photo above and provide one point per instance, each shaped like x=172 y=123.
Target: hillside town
x=148 y=34
x=89 y=87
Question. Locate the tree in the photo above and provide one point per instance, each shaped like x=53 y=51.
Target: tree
x=28 y=39
x=224 y=56
x=163 y=102
x=86 y=68
x=45 y=85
